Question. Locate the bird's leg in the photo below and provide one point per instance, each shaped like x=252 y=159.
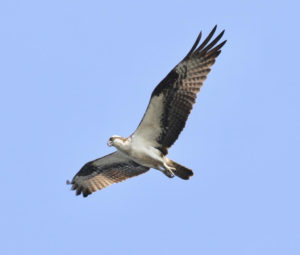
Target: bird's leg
x=168 y=171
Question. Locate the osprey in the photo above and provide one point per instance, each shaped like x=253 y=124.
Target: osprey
x=170 y=105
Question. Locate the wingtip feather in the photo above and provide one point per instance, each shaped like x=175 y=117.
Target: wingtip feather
x=194 y=45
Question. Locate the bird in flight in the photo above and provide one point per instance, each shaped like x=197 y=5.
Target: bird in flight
x=170 y=105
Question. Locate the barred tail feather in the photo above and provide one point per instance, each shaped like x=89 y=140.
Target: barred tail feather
x=181 y=171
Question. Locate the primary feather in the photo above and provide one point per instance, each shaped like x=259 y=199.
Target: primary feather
x=173 y=98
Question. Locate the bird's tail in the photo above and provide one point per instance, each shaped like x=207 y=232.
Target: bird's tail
x=180 y=171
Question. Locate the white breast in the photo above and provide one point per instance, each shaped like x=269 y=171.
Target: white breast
x=145 y=154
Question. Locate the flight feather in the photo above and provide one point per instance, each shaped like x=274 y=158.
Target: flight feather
x=102 y=172
x=173 y=98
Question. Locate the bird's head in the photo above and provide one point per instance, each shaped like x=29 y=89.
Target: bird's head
x=116 y=141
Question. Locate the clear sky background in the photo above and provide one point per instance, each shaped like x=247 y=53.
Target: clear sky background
x=73 y=73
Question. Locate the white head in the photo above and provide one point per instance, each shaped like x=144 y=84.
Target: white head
x=117 y=141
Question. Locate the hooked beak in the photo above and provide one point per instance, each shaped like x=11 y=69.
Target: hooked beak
x=109 y=143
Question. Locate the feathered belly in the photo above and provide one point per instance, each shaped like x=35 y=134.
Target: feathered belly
x=147 y=156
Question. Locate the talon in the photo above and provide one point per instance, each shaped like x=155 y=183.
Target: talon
x=169 y=173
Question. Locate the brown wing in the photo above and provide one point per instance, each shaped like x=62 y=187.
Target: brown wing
x=172 y=100
x=103 y=172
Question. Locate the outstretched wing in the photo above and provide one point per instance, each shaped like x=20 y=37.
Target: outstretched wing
x=102 y=172
x=172 y=100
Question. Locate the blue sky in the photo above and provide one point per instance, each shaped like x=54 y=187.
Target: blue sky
x=73 y=73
